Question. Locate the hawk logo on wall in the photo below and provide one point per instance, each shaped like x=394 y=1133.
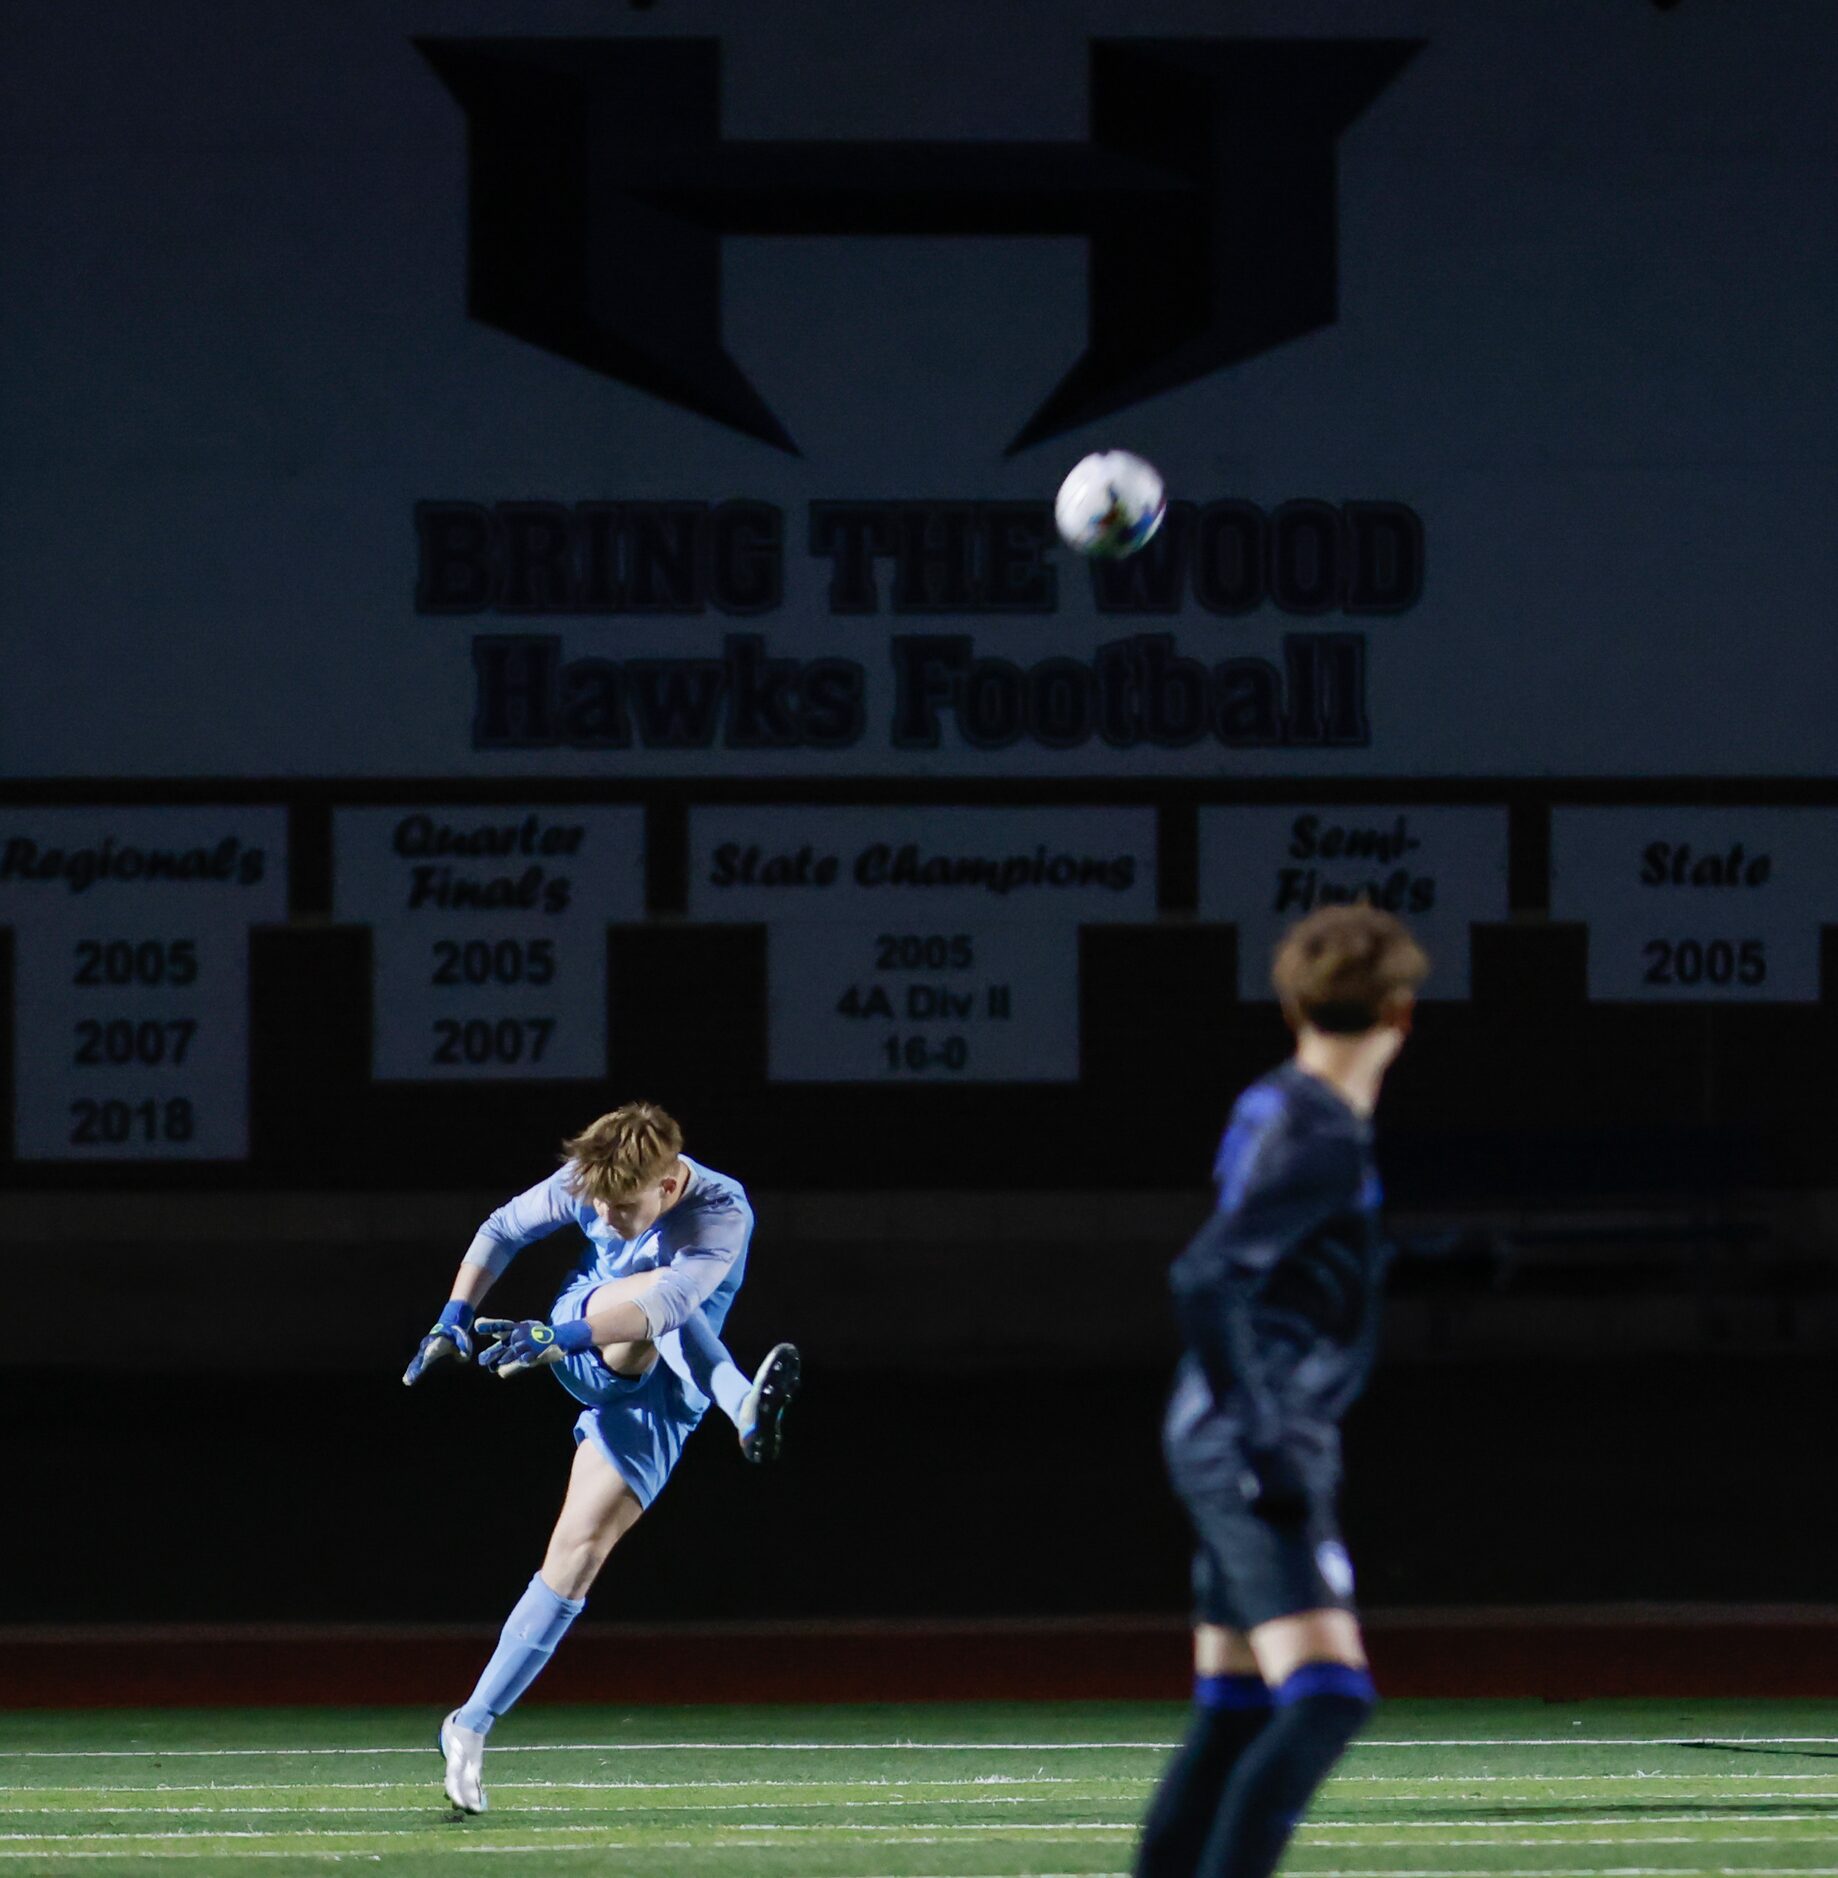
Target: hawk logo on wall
x=601 y=189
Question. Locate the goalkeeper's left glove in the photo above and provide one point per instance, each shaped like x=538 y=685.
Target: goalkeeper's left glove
x=529 y=1343
x=448 y=1338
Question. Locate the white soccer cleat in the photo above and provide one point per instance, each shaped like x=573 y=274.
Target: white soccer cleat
x=465 y=1752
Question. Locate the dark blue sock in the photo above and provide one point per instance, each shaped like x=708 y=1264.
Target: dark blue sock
x=1314 y=1715
x=1228 y=1713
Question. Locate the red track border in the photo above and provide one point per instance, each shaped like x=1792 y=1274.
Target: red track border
x=1565 y=1655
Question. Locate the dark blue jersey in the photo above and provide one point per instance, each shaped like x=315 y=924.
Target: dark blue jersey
x=1278 y=1293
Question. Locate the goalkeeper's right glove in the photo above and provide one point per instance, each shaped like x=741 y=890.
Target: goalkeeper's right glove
x=449 y=1337
x=529 y=1342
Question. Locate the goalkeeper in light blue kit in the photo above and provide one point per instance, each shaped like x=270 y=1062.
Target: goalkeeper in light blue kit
x=635 y=1336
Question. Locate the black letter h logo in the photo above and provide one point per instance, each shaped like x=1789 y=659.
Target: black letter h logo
x=601 y=189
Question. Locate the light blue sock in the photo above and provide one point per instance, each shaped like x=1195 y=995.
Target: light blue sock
x=716 y=1374
x=533 y=1629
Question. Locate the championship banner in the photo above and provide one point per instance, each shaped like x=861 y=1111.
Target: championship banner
x=488 y=933
x=1698 y=905
x=922 y=944
x=1440 y=870
x=131 y=976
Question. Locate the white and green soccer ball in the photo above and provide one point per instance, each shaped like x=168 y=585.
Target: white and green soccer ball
x=1110 y=504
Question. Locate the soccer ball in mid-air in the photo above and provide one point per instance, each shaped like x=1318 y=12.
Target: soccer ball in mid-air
x=1110 y=504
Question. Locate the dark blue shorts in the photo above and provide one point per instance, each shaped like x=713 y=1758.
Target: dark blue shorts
x=1249 y=1570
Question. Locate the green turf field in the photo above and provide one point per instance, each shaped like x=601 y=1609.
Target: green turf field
x=1621 y=1788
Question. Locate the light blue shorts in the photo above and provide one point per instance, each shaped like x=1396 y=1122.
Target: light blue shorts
x=639 y=1423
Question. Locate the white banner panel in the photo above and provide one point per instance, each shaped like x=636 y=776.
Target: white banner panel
x=911 y=868
x=911 y=944
x=131 y=976
x=984 y=1003
x=488 y=934
x=1440 y=870
x=1698 y=905
x=575 y=390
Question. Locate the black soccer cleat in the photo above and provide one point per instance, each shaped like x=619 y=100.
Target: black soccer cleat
x=762 y=1408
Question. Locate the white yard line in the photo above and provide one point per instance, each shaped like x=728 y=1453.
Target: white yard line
x=623 y=1786
x=1549 y=1845
x=1475 y=1780
x=953 y=1782
x=601 y=1747
x=1306 y=1833
x=1606 y=1741
x=1065 y=1829
x=243 y=1853
x=1397 y=1782
x=436 y=1824
x=1620 y=1839
x=918 y=1747
x=693 y=1811
x=1382 y=1871
x=1668 y=1817
x=499 y=1849
x=417 y=1797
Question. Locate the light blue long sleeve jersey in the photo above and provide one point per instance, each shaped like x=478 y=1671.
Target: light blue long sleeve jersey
x=699 y=1246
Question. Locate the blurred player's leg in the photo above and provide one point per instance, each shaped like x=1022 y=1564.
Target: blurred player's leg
x=1231 y=1705
x=599 y=1510
x=1320 y=1697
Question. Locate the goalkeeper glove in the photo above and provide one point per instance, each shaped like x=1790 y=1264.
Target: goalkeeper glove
x=529 y=1343
x=449 y=1337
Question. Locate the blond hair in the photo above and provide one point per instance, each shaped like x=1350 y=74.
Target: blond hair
x=625 y=1151
x=1344 y=969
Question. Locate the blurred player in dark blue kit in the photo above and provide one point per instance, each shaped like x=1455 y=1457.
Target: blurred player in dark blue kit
x=1278 y=1301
